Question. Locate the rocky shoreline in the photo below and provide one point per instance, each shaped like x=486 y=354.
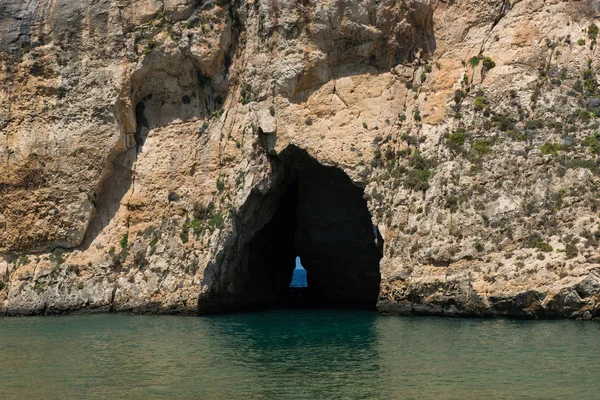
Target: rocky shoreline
x=176 y=156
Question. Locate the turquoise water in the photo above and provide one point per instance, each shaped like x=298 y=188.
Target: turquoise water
x=306 y=354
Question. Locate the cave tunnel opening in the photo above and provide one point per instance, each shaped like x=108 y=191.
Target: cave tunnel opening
x=322 y=221
x=299 y=275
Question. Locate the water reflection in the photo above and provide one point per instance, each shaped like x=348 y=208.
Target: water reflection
x=318 y=352
x=300 y=354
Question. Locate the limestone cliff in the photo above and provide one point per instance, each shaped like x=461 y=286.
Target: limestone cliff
x=174 y=156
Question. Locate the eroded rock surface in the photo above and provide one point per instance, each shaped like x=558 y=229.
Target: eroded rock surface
x=143 y=149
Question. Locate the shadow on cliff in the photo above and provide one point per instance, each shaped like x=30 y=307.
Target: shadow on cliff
x=110 y=196
x=159 y=99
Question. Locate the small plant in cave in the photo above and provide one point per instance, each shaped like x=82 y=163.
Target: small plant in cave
x=217 y=113
x=272 y=111
x=244 y=100
x=581 y=42
x=423 y=76
x=474 y=61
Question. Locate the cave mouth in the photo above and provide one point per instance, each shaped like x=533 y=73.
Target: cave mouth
x=322 y=219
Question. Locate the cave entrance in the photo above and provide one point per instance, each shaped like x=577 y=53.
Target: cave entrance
x=323 y=219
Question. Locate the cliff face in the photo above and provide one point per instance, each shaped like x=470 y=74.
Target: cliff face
x=175 y=156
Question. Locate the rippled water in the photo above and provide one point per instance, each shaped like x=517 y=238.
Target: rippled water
x=306 y=354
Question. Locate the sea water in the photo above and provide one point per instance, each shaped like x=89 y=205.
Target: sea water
x=296 y=354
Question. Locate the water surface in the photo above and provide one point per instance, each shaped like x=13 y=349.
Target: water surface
x=303 y=354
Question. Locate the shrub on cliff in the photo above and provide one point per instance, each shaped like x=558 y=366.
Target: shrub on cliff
x=417 y=115
x=479 y=103
x=456 y=140
x=57 y=256
x=593 y=31
x=481 y=148
x=503 y=122
x=488 y=63
x=571 y=249
x=220 y=183
x=536 y=241
x=459 y=95
x=124 y=240
x=593 y=142
x=185 y=231
x=534 y=124
x=418 y=177
x=550 y=148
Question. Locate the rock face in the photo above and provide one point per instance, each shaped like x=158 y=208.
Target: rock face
x=423 y=157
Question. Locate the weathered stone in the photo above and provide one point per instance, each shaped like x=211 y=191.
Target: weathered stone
x=145 y=155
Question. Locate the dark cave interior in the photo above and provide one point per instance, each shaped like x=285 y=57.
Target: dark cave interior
x=323 y=219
